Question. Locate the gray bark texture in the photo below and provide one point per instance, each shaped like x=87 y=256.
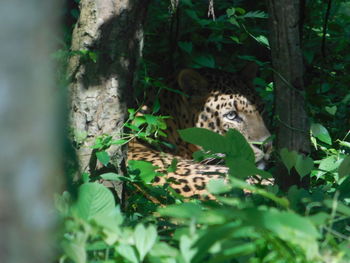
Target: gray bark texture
x=293 y=124
x=30 y=167
x=101 y=89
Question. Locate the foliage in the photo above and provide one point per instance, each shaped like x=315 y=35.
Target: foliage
x=245 y=223
x=263 y=226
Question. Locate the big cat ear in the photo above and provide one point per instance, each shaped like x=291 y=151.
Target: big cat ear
x=191 y=82
x=249 y=72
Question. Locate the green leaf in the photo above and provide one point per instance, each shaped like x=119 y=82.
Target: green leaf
x=234 y=21
x=147 y=171
x=238 y=146
x=93 y=199
x=186 y=249
x=128 y=252
x=233 y=143
x=184 y=210
x=344 y=188
x=328 y=164
x=211 y=236
x=289 y=158
x=255 y=14
x=75 y=249
x=230 y=11
x=172 y=167
x=207 y=61
x=185 y=46
x=263 y=40
x=138 y=121
x=344 y=143
x=103 y=157
x=210 y=141
x=111 y=176
x=150 y=119
x=344 y=168
x=119 y=142
x=321 y=133
x=243 y=168
x=235 y=39
x=288 y=226
x=331 y=110
x=304 y=165
x=93 y=56
x=162 y=249
x=144 y=239
x=218 y=186
x=341 y=208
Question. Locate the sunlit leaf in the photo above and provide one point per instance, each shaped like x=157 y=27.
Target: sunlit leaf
x=103 y=157
x=344 y=168
x=93 y=199
x=321 y=133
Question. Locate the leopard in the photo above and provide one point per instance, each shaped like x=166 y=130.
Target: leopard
x=212 y=99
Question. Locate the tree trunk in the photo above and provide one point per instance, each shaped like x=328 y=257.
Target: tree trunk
x=292 y=120
x=29 y=161
x=110 y=33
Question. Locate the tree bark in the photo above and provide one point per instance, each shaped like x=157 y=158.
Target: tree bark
x=287 y=60
x=100 y=90
x=30 y=168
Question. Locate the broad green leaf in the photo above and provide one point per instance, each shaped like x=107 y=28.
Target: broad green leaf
x=211 y=236
x=320 y=218
x=289 y=158
x=238 y=146
x=128 y=252
x=321 y=133
x=234 y=21
x=243 y=168
x=111 y=221
x=150 y=119
x=185 y=46
x=147 y=171
x=184 y=210
x=329 y=164
x=207 y=61
x=344 y=168
x=111 y=176
x=163 y=250
x=304 y=165
x=288 y=226
x=186 y=249
x=233 y=144
x=75 y=249
x=144 y=239
x=103 y=157
x=245 y=186
x=344 y=188
x=138 y=121
x=218 y=186
x=93 y=199
x=331 y=110
x=230 y=11
x=210 y=141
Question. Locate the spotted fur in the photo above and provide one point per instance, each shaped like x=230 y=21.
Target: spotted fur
x=210 y=99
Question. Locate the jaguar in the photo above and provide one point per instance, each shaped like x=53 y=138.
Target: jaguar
x=211 y=99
